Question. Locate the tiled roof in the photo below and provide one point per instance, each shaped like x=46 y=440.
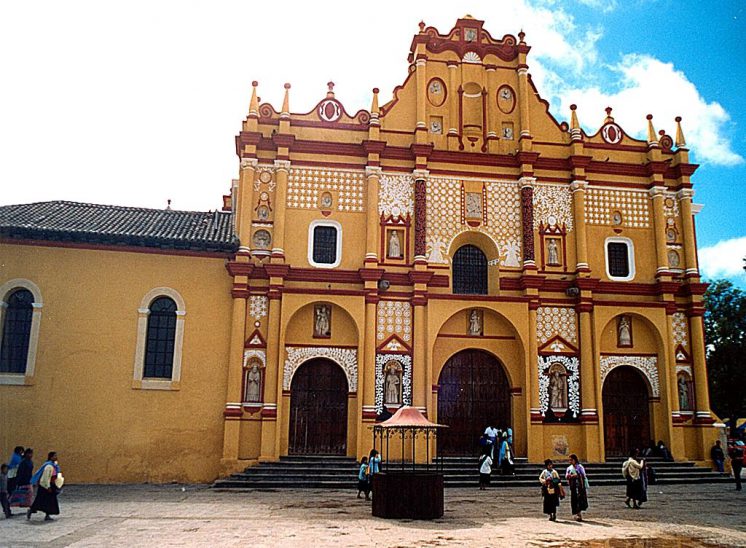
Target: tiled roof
x=117 y=225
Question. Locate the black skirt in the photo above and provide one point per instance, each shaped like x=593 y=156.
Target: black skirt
x=578 y=496
x=46 y=501
x=635 y=489
x=551 y=500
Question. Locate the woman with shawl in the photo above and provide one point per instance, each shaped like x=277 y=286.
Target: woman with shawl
x=551 y=484
x=48 y=481
x=578 y=482
x=23 y=494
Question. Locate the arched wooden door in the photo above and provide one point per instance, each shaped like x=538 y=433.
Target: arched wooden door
x=318 y=409
x=626 y=412
x=473 y=393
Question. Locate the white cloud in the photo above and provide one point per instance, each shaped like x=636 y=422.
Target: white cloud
x=724 y=260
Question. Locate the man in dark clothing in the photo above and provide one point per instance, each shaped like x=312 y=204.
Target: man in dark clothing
x=736 y=461
x=717 y=456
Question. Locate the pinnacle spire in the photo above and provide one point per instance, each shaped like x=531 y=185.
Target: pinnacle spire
x=286 y=103
x=575 y=133
x=680 y=141
x=374 y=109
x=652 y=139
x=254 y=104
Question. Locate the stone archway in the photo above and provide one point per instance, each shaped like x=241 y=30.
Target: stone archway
x=473 y=392
x=318 y=409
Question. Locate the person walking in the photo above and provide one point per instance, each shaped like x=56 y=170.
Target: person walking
x=578 y=483
x=13 y=462
x=374 y=466
x=736 y=453
x=485 y=469
x=4 y=490
x=718 y=456
x=491 y=433
x=363 y=485
x=23 y=495
x=48 y=480
x=632 y=472
x=551 y=486
x=505 y=458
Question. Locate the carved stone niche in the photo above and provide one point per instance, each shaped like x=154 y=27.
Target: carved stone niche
x=322 y=321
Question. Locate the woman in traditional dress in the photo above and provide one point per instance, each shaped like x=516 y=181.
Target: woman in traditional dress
x=13 y=462
x=550 y=489
x=505 y=457
x=632 y=472
x=23 y=495
x=578 y=482
x=46 y=480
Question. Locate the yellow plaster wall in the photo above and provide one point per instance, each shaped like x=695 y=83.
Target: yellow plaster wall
x=82 y=403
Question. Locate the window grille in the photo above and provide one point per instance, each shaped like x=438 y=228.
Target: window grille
x=16 y=332
x=618 y=257
x=325 y=245
x=469 y=271
x=159 y=347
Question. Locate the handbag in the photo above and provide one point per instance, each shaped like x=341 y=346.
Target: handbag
x=561 y=491
x=59 y=481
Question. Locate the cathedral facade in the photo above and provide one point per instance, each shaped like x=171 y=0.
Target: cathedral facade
x=456 y=249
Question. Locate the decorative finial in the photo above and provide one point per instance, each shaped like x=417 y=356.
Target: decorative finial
x=575 y=133
x=254 y=103
x=609 y=117
x=521 y=36
x=374 y=110
x=330 y=88
x=652 y=141
x=285 y=113
x=168 y=204
x=680 y=141
x=422 y=26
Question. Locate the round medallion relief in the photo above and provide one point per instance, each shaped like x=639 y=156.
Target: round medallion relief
x=262 y=239
x=329 y=110
x=436 y=92
x=616 y=218
x=673 y=259
x=325 y=202
x=611 y=133
x=506 y=99
x=265 y=176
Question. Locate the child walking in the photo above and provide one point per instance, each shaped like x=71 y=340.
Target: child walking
x=550 y=489
x=4 y=490
x=485 y=469
x=363 y=485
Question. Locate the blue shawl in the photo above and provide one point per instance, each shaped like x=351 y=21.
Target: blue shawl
x=14 y=461
x=36 y=477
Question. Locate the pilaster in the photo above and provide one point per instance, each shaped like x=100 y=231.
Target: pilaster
x=282 y=169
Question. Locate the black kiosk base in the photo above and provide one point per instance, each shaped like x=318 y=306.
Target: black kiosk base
x=408 y=494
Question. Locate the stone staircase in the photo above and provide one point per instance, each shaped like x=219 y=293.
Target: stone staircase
x=330 y=472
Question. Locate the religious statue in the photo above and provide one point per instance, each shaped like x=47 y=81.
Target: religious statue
x=624 y=331
x=322 y=325
x=508 y=132
x=553 y=250
x=254 y=384
x=683 y=394
x=474 y=205
x=394 y=245
x=475 y=323
x=511 y=254
x=557 y=390
x=392 y=383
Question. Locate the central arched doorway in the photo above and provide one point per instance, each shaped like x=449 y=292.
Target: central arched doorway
x=318 y=409
x=626 y=411
x=473 y=392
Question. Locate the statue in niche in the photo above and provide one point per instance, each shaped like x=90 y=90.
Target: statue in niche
x=392 y=383
x=263 y=213
x=322 y=322
x=508 y=132
x=474 y=205
x=254 y=383
x=624 y=331
x=475 y=323
x=394 y=246
x=683 y=393
x=557 y=388
x=511 y=254
x=553 y=251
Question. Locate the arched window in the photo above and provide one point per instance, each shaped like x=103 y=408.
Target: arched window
x=159 y=347
x=160 y=337
x=16 y=332
x=469 y=271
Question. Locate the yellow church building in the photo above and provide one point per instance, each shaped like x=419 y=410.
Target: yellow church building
x=456 y=249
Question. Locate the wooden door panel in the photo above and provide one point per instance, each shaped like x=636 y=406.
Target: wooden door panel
x=626 y=410
x=318 y=410
x=473 y=392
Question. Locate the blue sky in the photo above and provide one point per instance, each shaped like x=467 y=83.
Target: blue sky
x=136 y=103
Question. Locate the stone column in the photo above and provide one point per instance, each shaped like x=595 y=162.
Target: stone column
x=588 y=382
x=527 y=215
x=453 y=118
x=269 y=450
x=535 y=437
x=671 y=386
x=699 y=366
x=421 y=76
x=581 y=243
x=659 y=227
x=687 y=224
x=233 y=412
x=282 y=170
x=420 y=213
x=245 y=201
x=372 y=219
x=523 y=100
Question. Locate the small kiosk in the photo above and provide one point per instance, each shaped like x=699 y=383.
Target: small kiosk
x=403 y=488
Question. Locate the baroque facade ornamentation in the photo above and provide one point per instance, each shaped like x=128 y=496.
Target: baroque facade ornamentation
x=258 y=306
x=406 y=379
x=396 y=196
x=527 y=214
x=346 y=358
x=647 y=365
x=502 y=211
x=306 y=185
x=602 y=203
x=420 y=218
x=394 y=317
x=553 y=320
x=553 y=206
x=258 y=354
x=572 y=366
x=680 y=330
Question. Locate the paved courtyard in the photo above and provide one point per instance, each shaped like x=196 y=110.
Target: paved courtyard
x=174 y=515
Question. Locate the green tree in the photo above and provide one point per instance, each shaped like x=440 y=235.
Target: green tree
x=725 y=339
